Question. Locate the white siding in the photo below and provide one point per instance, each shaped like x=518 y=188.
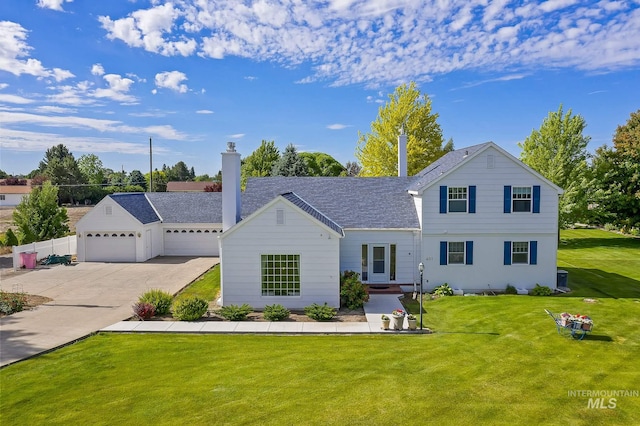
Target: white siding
x=190 y=239
x=407 y=251
x=11 y=200
x=318 y=248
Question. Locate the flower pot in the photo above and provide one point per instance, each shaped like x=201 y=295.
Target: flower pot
x=397 y=322
x=385 y=324
x=587 y=327
x=565 y=322
x=413 y=324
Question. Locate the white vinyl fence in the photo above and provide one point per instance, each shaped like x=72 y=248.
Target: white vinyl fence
x=59 y=246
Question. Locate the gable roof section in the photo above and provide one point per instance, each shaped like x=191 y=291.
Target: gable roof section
x=137 y=205
x=454 y=159
x=351 y=202
x=312 y=211
x=187 y=207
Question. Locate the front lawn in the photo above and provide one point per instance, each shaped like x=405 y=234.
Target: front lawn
x=492 y=360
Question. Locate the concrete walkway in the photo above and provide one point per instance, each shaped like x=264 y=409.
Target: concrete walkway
x=86 y=297
x=378 y=304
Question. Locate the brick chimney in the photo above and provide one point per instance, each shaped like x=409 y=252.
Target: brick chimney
x=402 y=153
x=231 y=203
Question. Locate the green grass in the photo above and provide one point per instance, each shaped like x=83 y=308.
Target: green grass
x=492 y=360
x=206 y=287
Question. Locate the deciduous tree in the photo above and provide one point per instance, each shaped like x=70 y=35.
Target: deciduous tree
x=260 y=162
x=321 y=164
x=377 y=151
x=60 y=166
x=38 y=216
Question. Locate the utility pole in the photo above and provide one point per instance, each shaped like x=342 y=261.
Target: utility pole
x=150 y=167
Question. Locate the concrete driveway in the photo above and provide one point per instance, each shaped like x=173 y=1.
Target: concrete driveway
x=86 y=297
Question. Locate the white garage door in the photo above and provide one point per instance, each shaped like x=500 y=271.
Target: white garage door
x=191 y=242
x=110 y=246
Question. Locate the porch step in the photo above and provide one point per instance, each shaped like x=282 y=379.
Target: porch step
x=384 y=289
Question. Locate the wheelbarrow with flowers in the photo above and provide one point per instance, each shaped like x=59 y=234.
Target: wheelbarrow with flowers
x=576 y=325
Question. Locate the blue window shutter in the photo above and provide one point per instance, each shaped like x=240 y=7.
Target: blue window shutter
x=443 y=200
x=472 y=199
x=507 y=252
x=533 y=253
x=507 y=198
x=536 y=199
x=443 y=252
x=469 y=253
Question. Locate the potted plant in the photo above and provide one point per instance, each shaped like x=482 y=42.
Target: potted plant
x=565 y=319
x=398 y=319
x=385 y=322
x=412 y=321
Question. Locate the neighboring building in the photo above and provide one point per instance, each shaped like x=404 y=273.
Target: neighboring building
x=478 y=219
x=12 y=195
x=178 y=186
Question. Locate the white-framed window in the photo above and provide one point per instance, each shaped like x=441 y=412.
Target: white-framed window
x=365 y=262
x=280 y=274
x=457 y=199
x=521 y=199
x=2 y=197
x=520 y=252
x=455 y=253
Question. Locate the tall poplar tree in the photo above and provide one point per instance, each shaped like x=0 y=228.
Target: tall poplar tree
x=377 y=151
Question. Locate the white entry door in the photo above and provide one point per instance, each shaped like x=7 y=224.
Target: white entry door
x=379 y=264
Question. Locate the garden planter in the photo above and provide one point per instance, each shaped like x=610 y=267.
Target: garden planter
x=413 y=324
x=587 y=326
x=385 y=324
x=397 y=322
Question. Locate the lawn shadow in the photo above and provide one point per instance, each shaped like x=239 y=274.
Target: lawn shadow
x=598 y=337
x=597 y=283
x=586 y=243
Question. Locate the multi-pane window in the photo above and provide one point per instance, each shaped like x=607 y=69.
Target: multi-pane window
x=457 y=199
x=521 y=196
x=456 y=253
x=281 y=275
x=520 y=252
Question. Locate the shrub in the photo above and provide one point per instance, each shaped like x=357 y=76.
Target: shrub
x=144 y=310
x=275 y=313
x=354 y=294
x=190 y=308
x=235 y=312
x=320 y=312
x=540 y=290
x=161 y=300
x=12 y=302
x=443 y=290
x=510 y=289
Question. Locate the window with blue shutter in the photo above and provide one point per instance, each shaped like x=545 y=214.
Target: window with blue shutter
x=443 y=199
x=533 y=253
x=472 y=199
x=536 y=198
x=469 y=253
x=443 y=252
x=507 y=252
x=507 y=200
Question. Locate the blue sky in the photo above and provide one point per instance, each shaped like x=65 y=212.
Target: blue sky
x=103 y=77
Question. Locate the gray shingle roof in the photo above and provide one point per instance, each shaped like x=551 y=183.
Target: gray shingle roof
x=351 y=202
x=188 y=207
x=442 y=166
x=137 y=204
x=311 y=211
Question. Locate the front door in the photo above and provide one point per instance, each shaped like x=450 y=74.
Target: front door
x=378 y=267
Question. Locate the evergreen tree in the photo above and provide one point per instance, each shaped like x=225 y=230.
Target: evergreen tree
x=290 y=164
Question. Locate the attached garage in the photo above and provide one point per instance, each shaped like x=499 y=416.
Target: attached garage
x=110 y=246
x=191 y=241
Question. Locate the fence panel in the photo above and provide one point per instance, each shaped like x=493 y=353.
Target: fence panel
x=59 y=246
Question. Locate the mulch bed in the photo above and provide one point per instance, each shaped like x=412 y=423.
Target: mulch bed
x=343 y=315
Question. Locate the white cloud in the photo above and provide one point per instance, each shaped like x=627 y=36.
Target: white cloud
x=337 y=126
x=237 y=136
x=3 y=86
x=14 y=55
x=56 y=109
x=172 y=80
x=388 y=42
x=204 y=111
x=52 y=4
x=14 y=99
x=97 y=69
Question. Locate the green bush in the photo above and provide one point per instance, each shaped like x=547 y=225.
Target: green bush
x=12 y=302
x=161 y=300
x=235 y=312
x=353 y=293
x=276 y=313
x=510 y=289
x=190 y=308
x=320 y=312
x=443 y=290
x=540 y=290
